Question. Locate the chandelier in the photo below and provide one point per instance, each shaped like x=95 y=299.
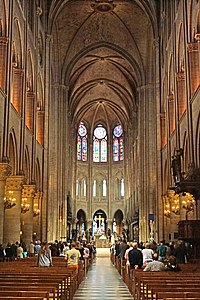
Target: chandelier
x=24 y=206
x=36 y=211
x=175 y=202
x=9 y=200
x=167 y=211
x=188 y=201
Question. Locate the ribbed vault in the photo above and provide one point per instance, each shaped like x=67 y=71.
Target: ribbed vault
x=101 y=53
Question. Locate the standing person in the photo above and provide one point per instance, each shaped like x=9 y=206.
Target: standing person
x=72 y=256
x=31 y=250
x=161 y=250
x=135 y=257
x=20 y=251
x=8 y=252
x=180 y=252
x=122 y=249
x=147 y=254
x=44 y=256
x=2 y=253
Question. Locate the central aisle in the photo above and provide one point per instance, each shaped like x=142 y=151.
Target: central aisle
x=103 y=282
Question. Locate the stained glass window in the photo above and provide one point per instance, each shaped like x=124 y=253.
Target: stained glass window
x=100 y=144
x=82 y=142
x=118 y=143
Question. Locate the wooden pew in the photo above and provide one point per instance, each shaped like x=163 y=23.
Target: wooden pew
x=173 y=294
x=20 y=293
x=22 y=298
x=67 y=279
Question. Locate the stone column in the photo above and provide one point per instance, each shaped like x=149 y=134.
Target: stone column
x=27 y=218
x=3 y=55
x=40 y=129
x=163 y=129
x=37 y=215
x=193 y=53
x=12 y=225
x=5 y=171
x=29 y=110
x=110 y=225
x=18 y=75
x=171 y=113
x=181 y=93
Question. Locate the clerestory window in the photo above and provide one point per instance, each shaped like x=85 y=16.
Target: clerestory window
x=118 y=143
x=82 y=142
x=100 y=144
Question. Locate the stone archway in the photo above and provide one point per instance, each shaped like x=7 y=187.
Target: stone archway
x=81 y=223
x=118 y=224
x=99 y=222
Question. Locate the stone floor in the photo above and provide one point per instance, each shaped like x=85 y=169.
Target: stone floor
x=103 y=282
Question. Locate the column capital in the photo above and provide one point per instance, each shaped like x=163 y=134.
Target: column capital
x=163 y=115
x=28 y=190
x=193 y=47
x=5 y=171
x=38 y=195
x=180 y=76
x=4 y=40
x=197 y=37
x=170 y=97
x=15 y=183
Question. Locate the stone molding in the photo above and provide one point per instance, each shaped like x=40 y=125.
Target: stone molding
x=180 y=76
x=5 y=171
x=192 y=47
x=4 y=40
x=28 y=191
x=15 y=183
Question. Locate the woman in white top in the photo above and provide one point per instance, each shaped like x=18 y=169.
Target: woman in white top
x=147 y=254
x=20 y=251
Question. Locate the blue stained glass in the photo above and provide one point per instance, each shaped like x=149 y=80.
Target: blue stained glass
x=82 y=129
x=82 y=142
x=118 y=130
x=118 y=143
x=100 y=144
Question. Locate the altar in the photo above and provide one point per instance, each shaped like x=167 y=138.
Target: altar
x=101 y=241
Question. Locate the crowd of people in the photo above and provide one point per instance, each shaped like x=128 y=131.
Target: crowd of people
x=152 y=256
x=44 y=252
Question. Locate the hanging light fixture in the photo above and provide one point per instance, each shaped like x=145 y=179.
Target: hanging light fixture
x=36 y=211
x=24 y=206
x=187 y=201
x=9 y=200
x=175 y=202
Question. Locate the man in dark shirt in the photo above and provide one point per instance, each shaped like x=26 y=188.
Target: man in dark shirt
x=135 y=257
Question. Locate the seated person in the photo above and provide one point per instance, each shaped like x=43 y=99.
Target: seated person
x=155 y=265
x=171 y=264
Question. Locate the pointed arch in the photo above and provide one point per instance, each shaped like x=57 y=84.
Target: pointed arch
x=38 y=175
x=100 y=143
x=26 y=167
x=13 y=152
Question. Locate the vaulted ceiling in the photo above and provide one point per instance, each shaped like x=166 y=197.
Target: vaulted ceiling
x=101 y=52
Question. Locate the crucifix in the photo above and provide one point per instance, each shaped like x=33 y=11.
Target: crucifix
x=100 y=222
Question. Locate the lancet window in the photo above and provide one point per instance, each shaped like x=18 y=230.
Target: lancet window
x=118 y=143
x=100 y=144
x=82 y=142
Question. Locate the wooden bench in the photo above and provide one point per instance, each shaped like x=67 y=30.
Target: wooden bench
x=22 y=298
x=66 y=280
x=174 y=294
